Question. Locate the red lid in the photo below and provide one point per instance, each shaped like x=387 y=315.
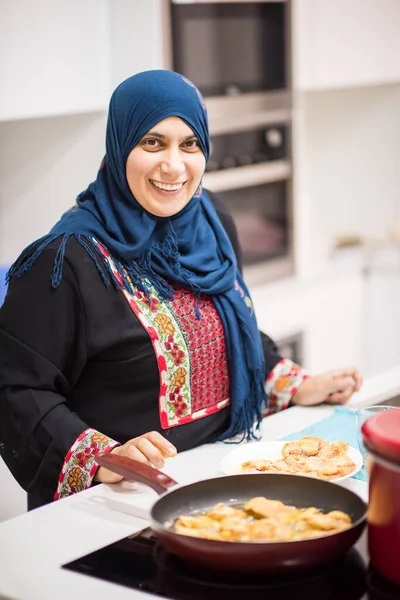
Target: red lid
x=381 y=433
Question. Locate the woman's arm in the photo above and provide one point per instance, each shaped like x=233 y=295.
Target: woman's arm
x=48 y=448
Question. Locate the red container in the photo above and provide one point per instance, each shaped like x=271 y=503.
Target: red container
x=381 y=435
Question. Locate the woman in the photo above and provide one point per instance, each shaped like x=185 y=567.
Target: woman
x=128 y=328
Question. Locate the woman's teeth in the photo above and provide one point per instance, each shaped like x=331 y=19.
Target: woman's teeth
x=169 y=187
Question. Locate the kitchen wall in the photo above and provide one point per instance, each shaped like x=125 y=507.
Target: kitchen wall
x=44 y=164
x=54 y=57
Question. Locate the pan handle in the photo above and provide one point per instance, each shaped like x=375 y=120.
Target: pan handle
x=133 y=470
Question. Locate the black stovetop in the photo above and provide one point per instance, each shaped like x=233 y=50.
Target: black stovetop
x=140 y=563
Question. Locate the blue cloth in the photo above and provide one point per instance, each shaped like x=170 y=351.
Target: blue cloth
x=339 y=426
x=190 y=249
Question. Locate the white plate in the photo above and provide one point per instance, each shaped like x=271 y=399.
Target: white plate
x=230 y=465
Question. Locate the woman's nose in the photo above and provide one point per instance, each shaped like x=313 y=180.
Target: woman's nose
x=173 y=163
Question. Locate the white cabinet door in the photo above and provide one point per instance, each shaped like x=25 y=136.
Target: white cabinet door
x=382 y=315
x=338 y=43
x=54 y=57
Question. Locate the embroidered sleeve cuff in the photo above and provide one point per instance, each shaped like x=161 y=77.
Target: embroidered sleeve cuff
x=282 y=384
x=79 y=466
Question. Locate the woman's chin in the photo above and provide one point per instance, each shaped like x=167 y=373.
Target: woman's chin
x=168 y=207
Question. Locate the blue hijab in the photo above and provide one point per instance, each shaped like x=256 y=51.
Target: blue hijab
x=191 y=248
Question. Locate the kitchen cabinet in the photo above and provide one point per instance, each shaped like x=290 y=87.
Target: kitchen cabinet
x=345 y=43
x=54 y=57
x=381 y=308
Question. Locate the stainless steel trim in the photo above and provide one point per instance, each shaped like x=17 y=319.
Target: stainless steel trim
x=248 y=176
x=248 y=111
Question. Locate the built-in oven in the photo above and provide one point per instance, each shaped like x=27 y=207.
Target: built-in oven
x=229 y=48
x=251 y=171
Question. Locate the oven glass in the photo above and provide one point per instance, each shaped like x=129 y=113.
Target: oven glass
x=248 y=147
x=261 y=216
x=230 y=48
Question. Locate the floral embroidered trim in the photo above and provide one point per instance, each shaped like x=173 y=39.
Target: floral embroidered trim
x=171 y=351
x=79 y=466
x=175 y=401
x=281 y=385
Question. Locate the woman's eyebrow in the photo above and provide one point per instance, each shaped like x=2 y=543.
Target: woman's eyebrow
x=161 y=136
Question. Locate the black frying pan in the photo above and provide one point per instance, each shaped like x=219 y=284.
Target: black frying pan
x=244 y=557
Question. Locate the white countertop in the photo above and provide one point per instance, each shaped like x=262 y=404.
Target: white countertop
x=35 y=545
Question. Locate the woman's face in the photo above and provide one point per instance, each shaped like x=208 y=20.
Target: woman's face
x=165 y=168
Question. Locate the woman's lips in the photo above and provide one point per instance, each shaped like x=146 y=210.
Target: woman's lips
x=167 y=187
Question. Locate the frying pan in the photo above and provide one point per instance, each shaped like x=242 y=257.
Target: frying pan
x=244 y=557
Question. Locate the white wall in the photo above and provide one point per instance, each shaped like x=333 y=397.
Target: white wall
x=54 y=57
x=136 y=37
x=44 y=164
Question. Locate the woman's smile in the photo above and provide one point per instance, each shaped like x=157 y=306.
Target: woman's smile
x=167 y=187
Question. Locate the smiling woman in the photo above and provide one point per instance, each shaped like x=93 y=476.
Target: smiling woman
x=165 y=169
x=142 y=338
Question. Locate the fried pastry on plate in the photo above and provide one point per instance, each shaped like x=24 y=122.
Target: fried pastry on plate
x=311 y=456
x=305 y=446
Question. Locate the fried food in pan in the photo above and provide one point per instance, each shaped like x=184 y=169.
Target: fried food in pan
x=262 y=520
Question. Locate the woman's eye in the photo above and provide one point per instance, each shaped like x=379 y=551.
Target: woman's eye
x=151 y=144
x=191 y=144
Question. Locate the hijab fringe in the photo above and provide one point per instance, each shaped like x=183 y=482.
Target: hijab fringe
x=145 y=264
x=81 y=239
x=130 y=274
x=169 y=249
x=29 y=256
x=248 y=418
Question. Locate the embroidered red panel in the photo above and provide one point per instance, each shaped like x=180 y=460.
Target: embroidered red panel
x=205 y=340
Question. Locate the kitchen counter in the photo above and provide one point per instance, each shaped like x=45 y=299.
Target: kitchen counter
x=35 y=545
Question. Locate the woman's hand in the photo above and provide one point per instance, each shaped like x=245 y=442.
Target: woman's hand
x=151 y=448
x=333 y=387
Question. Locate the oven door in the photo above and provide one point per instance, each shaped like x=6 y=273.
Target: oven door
x=230 y=48
x=259 y=199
